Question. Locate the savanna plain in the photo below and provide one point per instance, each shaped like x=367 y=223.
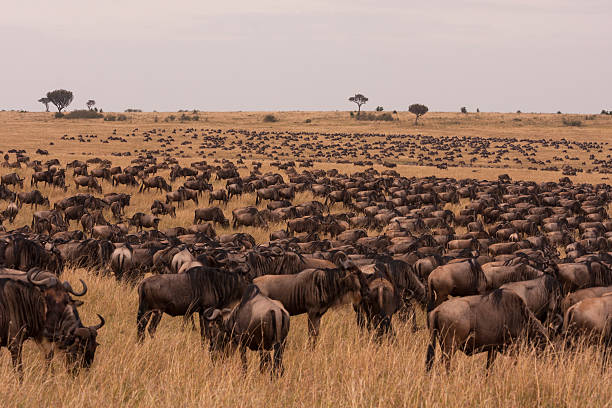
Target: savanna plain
x=347 y=367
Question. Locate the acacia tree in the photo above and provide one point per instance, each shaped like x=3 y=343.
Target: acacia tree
x=45 y=101
x=359 y=99
x=418 y=110
x=90 y=104
x=61 y=98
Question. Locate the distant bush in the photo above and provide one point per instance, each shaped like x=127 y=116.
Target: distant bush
x=572 y=122
x=605 y=112
x=187 y=118
x=307 y=121
x=558 y=112
x=122 y=117
x=83 y=114
x=464 y=109
x=130 y=110
x=352 y=114
x=270 y=118
x=110 y=118
x=59 y=115
x=379 y=109
x=589 y=117
x=518 y=111
x=387 y=117
x=169 y=118
x=394 y=112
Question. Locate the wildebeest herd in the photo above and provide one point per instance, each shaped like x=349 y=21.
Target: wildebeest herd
x=491 y=263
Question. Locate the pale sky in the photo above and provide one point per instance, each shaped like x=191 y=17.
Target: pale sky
x=498 y=55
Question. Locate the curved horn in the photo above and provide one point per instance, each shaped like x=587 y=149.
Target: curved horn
x=99 y=325
x=49 y=281
x=69 y=288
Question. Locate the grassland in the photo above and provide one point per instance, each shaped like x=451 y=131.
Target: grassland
x=347 y=368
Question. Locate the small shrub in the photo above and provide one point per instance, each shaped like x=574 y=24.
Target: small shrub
x=110 y=118
x=155 y=119
x=352 y=114
x=558 y=112
x=518 y=111
x=394 y=112
x=121 y=117
x=59 y=115
x=464 y=109
x=170 y=118
x=270 y=118
x=307 y=121
x=368 y=116
x=572 y=122
x=477 y=110
x=130 y=110
x=589 y=117
x=379 y=109
x=83 y=114
x=605 y=112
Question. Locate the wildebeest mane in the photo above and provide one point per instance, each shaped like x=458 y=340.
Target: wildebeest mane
x=20 y=307
x=221 y=284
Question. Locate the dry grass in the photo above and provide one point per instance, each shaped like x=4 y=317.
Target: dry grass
x=347 y=368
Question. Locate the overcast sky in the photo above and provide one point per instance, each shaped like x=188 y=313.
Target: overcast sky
x=498 y=55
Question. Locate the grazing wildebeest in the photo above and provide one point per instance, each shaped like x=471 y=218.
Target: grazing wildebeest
x=214 y=214
x=379 y=301
x=42 y=309
x=142 y=220
x=312 y=291
x=41 y=176
x=184 y=294
x=157 y=182
x=474 y=324
x=218 y=195
x=258 y=323
x=12 y=179
x=87 y=181
x=159 y=208
x=266 y=194
x=34 y=198
x=126 y=179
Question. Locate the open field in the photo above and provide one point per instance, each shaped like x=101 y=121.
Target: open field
x=347 y=368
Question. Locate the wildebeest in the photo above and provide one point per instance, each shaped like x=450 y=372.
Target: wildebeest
x=157 y=182
x=34 y=198
x=214 y=214
x=218 y=195
x=126 y=179
x=592 y=318
x=257 y=322
x=457 y=279
x=474 y=324
x=11 y=179
x=159 y=208
x=574 y=297
x=183 y=294
x=142 y=220
x=42 y=309
x=87 y=181
x=312 y=291
x=11 y=212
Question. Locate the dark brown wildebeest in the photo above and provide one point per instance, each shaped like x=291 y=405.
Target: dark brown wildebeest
x=266 y=194
x=308 y=224
x=12 y=179
x=74 y=212
x=42 y=176
x=592 y=318
x=258 y=323
x=379 y=301
x=87 y=181
x=142 y=220
x=214 y=214
x=89 y=220
x=456 y=279
x=125 y=179
x=542 y=296
x=218 y=195
x=248 y=218
x=23 y=253
x=53 y=217
x=34 y=198
x=157 y=182
x=101 y=172
x=312 y=291
x=234 y=190
x=337 y=196
x=184 y=294
x=574 y=276
x=474 y=324
x=40 y=308
x=159 y=208
x=6 y=194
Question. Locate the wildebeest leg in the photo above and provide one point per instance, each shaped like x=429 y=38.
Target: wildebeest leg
x=265 y=362
x=243 y=359
x=491 y=355
x=15 y=347
x=203 y=329
x=141 y=322
x=359 y=314
x=279 y=349
x=155 y=319
x=314 y=322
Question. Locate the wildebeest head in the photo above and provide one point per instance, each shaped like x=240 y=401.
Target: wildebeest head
x=218 y=332
x=62 y=322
